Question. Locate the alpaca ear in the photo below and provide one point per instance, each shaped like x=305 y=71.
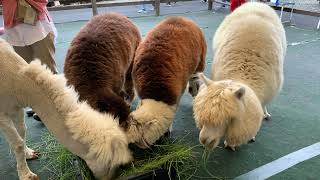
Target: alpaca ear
x=206 y=80
x=240 y=92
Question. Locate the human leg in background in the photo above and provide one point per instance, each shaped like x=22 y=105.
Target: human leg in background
x=143 y=9
x=168 y=3
x=153 y=7
x=44 y=51
x=27 y=54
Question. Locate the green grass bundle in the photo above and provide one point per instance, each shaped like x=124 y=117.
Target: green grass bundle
x=60 y=162
x=168 y=154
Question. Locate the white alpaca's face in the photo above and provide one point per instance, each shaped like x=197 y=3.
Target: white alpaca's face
x=210 y=136
x=214 y=107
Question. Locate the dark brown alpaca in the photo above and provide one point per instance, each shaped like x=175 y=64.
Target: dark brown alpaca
x=99 y=63
x=170 y=56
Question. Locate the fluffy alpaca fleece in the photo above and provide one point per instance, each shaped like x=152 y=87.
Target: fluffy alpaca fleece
x=93 y=136
x=170 y=55
x=226 y=109
x=247 y=74
x=98 y=63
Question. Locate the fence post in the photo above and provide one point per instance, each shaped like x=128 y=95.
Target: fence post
x=94 y=7
x=157 y=6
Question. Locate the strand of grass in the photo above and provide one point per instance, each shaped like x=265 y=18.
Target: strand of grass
x=205 y=158
x=180 y=139
x=184 y=169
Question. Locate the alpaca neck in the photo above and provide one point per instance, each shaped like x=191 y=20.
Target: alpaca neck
x=93 y=136
x=51 y=115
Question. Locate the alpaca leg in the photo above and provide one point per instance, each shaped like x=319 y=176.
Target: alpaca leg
x=227 y=146
x=266 y=116
x=17 y=145
x=168 y=133
x=194 y=85
x=19 y=123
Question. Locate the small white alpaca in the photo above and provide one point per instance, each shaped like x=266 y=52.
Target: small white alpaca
x=247 y=74
x=93 y=136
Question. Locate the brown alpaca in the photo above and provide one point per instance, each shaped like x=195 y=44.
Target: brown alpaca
x=170 y=56
x=99 y=63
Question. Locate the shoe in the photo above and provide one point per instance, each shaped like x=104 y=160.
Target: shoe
x=36 y=117
x=142 y=11
x=168 y=5
x=30 y=113
x=151 y=9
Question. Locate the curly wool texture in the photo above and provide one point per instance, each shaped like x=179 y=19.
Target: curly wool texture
x=99 y=63
x=167 y=57
x=165 y=61
x=217 y=106
x=247 y=73
x=250 y=46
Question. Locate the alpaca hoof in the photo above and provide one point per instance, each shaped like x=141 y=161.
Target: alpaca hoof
x=253 y=140
x=30 y=113
x=30 y=176
x=267 y=117
x=226 y=146
x=167 y=134
x=36 y=117
x=170 y=128
x=33 y=177
x=31 y=154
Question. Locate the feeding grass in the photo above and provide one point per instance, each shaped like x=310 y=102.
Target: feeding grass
x=168 y=154
x=60 y=162
x=171 y=155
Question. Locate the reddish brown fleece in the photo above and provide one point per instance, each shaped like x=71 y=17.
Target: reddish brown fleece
x=165 y=59
x=98 y=60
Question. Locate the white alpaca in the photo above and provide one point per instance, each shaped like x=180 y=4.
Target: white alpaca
x=247 y=74
x=93 y=136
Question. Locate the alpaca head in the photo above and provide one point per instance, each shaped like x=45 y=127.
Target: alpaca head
x=107 y=144
x=216 y=107
x=149 y=122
